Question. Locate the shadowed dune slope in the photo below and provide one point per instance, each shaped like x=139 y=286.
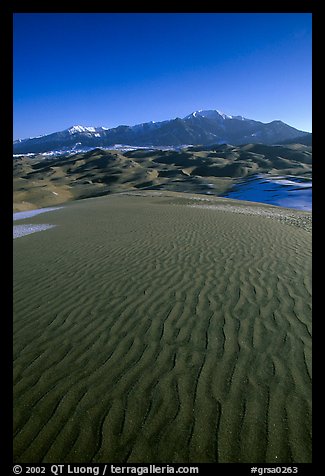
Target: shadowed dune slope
x=40 y=182
x=149 y=330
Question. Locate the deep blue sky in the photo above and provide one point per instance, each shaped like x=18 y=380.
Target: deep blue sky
x=111 y=69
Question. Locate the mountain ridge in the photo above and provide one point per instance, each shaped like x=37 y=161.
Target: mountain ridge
x=201 y=127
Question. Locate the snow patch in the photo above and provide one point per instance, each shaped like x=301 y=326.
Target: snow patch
x=282 y=191
x=32 y=213
x=22 y=230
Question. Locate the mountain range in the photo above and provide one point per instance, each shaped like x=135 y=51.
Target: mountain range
x=204 y=127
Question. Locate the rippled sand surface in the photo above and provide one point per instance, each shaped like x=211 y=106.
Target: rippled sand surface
x=149 y=330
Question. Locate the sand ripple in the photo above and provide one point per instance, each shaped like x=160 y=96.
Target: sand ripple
x=150 y=331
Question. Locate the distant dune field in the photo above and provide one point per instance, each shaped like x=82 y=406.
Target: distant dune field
x=42 y=182
x=157 y=327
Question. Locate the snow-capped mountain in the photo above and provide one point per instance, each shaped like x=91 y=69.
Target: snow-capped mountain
x=210 y=114
x=90 y=130
x=202 y=127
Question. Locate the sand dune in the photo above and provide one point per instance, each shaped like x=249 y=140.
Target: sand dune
x=40 y=182
x=149 y=330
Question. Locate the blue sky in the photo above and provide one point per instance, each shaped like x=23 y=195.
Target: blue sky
x=109 y=69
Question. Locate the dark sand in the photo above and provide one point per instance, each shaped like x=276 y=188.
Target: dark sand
x=148 y=330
